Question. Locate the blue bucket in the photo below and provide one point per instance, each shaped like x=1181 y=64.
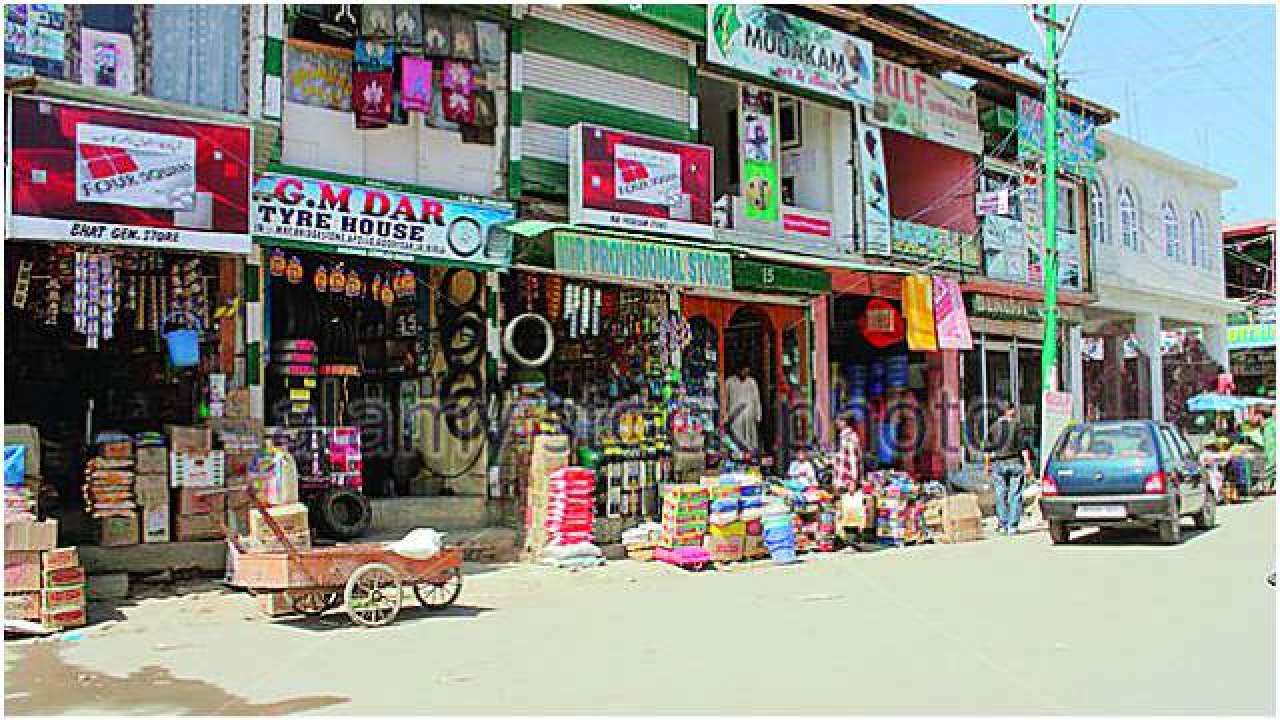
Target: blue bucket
x=184 y=346
x=15 y=465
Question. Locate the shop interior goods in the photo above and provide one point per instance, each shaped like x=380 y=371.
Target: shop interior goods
x=42 y=582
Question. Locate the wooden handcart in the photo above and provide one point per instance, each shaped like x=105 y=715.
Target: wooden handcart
x=368 y=579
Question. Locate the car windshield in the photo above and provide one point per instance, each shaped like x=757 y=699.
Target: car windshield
x=1106 y=442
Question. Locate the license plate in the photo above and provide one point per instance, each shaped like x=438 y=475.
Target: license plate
x=1100 y=511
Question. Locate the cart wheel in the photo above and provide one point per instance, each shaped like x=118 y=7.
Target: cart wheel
x=314 y=604
x=440 y=594
x=372 y=595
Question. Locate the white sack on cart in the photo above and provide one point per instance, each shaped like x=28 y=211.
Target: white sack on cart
x=419 y=544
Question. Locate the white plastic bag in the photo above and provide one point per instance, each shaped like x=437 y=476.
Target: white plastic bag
x=419 y=544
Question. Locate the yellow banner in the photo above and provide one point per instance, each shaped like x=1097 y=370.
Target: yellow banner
x=917 y=306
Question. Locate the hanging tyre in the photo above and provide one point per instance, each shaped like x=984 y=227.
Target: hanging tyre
x=529 y=340
x=469 y=300
x=462 y=340
x=343 y=514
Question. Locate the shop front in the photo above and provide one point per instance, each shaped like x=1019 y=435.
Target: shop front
x=376 y=313
x=126 y=239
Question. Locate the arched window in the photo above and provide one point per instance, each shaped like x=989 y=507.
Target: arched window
x=1098 y=221
x=1172 y=231
x=1199 y=241
x=1128 y=219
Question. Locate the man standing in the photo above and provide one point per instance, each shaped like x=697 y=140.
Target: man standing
x=1011 y=465
x=743 y=409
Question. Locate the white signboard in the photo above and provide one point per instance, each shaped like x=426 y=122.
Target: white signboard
x=875 y=192
x=119 y=166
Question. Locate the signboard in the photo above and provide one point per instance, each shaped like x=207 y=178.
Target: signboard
x=761 y=190
x=34 y=40
x=763 y=277
x=916 y=103
x=935 y=245
x=91 y=174
x=1055 y=416
x=948 y=312
x=787 y=49
x=877 y=222
x=642 y=261
x=1255 y=335
x=1004 y=249
x=361 y=220
x=638 y=182
x=1076 y=137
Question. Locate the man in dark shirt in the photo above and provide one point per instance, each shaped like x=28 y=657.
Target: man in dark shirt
x=1010 y=454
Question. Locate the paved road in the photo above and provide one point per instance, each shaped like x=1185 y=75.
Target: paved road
x=1111 y=624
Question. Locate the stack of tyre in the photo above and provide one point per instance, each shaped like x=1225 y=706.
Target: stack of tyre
x=293 y=370
x=462 y=343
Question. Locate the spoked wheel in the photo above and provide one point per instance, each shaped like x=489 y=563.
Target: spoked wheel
x=442 y=592
x=313 y=604
x=373 y=595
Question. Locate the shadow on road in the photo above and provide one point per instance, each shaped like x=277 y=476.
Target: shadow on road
x=410 y=614
x=1133 y=536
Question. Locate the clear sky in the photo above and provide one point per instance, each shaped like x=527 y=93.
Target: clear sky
x=1195 y=81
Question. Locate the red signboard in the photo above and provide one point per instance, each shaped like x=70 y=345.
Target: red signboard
x=90 y=174
x=638 y=182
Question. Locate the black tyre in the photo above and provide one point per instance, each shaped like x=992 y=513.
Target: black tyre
x=1059 y=533
x=1171 y=531
x=1208 y=515
x=343 y=514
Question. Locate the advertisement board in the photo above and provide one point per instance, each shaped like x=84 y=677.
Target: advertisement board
x=788 y=49
x=761 y=188
x=1254 y=335
x=657 y=263
x=1077 y=137
x=91 y=174
x=875 y=192
x=638 y=182
x=949 y=248
x=375 y=222
x=916 y=103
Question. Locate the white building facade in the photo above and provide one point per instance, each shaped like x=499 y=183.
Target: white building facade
x=1155 y=230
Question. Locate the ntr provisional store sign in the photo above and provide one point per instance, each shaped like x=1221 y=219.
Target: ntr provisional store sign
x=362 y=220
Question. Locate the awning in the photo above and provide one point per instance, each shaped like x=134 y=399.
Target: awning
x=1210 y=402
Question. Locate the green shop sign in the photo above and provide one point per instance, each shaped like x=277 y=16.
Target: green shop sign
x=642 y=261
x=1254 y=335
x=758 y=276
x=949 y=248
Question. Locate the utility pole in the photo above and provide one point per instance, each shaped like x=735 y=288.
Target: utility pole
x=1049 y=345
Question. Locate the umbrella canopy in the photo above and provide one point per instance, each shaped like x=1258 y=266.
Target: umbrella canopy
x=1211 y=402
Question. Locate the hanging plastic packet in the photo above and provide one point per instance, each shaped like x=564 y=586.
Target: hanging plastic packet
x=108 y=297
x=337 y=279
x=80 y=298
x=321 y=279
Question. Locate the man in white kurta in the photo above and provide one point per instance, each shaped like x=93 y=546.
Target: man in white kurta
x=743 y=409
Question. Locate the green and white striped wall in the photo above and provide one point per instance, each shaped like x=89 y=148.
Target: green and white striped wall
x=571 y=65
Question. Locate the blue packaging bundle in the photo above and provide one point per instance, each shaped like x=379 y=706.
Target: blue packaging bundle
x=724 y=505
x=780 y=537
x=896 y=371
x=15 y=465
x=749 y=503
x=752 y=490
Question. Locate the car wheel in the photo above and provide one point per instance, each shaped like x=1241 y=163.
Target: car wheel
x=1059 y=533
x=1171 y=531
x=1208 y=513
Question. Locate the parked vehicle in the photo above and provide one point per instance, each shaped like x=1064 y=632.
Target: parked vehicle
x=1131 y=472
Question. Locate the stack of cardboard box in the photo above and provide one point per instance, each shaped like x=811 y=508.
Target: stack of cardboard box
x=293 y=523
x=109 y=492
x=684 y=516
x=24 y=541
x=151 y=488
x=550 y=453
x=241 y=441
x=62 y=603
x=196 y=476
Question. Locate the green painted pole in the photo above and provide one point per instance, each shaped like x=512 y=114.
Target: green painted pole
x=1049 y=353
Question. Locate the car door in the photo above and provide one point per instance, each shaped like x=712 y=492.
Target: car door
x=1193 y=465
x=1184 y=483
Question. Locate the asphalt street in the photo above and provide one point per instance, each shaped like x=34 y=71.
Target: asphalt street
x=1113 y=623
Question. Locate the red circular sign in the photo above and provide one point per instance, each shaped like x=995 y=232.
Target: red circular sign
x=881 y=324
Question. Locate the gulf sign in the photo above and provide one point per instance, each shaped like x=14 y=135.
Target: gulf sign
x=628 y=181
x=100 y=175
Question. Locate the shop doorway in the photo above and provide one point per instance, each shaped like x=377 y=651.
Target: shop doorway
x=749 y=341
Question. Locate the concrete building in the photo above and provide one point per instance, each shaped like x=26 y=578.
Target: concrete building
x=1155 y=224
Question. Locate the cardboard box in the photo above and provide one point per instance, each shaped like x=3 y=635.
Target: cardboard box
x=122 y=450
x=152 y=489
x=724 y=549
x=152 y=460
x=190 y=528
x=199 y=470
x=199 y=501
x=155 y=523
x=238 y=518
x=21 y=570
x=31 y=535
x=22 y=606
x=118 y=531
x=63 y=619
x=59 y=558
x=62 y=598
x=189 y=440
x=292 y=519
x=753 y=548
x=28 y=437
x=960 y=531
x=272 y=544
x=63 y=577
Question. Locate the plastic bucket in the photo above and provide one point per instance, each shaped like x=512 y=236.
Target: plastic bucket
x=15 y=464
